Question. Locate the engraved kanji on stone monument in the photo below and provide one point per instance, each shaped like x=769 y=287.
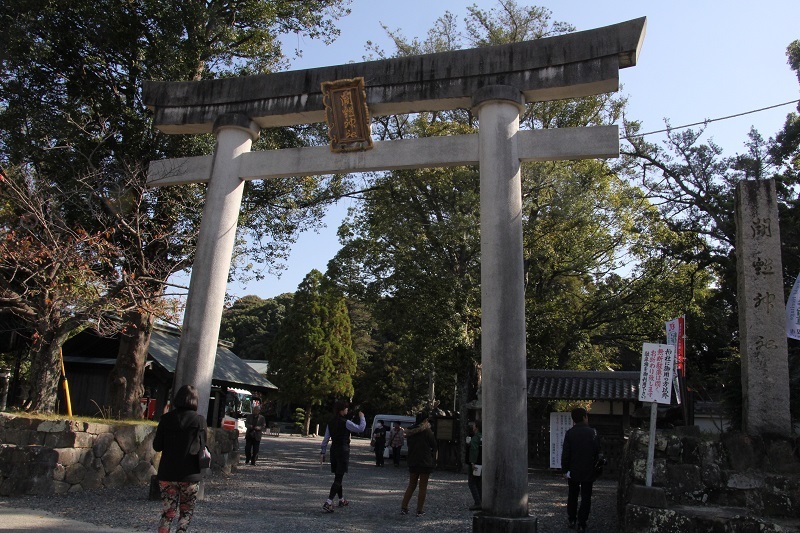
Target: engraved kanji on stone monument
x=763 y=267
x=765 y=382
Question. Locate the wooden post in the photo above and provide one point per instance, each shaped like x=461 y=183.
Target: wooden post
x=651 y=445
x=66 y=385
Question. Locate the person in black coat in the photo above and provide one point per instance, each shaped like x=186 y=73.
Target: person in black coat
x=379 y=441
x=256 y=424
x=422 y=450
x=338 y=433
x=475 y=459
x=578 y=457
x=180 y=437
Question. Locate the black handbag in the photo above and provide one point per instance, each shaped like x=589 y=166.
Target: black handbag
x=599 y=463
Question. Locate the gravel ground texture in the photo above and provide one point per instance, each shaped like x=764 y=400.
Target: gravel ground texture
x=285 y=492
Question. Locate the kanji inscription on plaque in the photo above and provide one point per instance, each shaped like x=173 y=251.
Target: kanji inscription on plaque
x=347 y=115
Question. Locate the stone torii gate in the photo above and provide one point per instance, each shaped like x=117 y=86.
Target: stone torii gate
x=496 y=82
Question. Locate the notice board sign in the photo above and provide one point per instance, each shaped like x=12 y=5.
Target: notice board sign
x=655 y=379
x=559 y=424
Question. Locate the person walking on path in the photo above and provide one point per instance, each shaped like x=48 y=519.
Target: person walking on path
x=180 y=437
x=396 y=437
x=475 y=459
x=338 y=432
x=578 y=456
x=421 y=461
x=379 y=442
x=255 y=424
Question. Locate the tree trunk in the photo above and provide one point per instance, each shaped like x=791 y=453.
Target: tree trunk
x=45 y=373
x=307 y=421
x=127 y=378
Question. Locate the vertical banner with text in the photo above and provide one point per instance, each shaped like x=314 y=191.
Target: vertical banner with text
x=793 y=311
x=559 y=425
x=655 y=378
x=676 y=337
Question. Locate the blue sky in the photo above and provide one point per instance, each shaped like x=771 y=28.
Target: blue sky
x=700 y=60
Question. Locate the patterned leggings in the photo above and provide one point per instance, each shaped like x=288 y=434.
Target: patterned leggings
x=171 y=493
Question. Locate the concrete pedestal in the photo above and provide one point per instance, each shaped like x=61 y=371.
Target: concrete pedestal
x=493 y=524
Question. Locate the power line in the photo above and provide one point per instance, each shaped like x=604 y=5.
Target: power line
x=710 y=120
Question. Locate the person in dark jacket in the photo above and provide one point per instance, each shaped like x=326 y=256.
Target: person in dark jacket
x=421 y=461
x=255 y=424
x=475 y=459
x=338 y=432
x=578 y=456
x=180 y=437
x=379 y=441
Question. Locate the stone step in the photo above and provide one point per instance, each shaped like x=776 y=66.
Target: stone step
x=702 y=518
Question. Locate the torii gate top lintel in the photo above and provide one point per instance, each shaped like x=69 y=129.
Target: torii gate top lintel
x=565 y=66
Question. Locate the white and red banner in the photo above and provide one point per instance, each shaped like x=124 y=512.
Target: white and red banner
x=676 y=335
x=793 y=311
x=658 y=368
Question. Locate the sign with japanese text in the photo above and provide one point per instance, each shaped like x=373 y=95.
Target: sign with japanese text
x=347 y=115
x=559 y=425
x=676 y=337
x=658 y=368
x=793 y=311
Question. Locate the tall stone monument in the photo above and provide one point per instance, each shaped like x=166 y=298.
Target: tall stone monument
x=762 y=313
x=494 y=81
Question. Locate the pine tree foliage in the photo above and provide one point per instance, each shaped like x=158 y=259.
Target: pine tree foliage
x=313 y=359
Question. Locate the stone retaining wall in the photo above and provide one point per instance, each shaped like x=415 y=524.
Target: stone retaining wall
x=57 y=456
x=733 y=481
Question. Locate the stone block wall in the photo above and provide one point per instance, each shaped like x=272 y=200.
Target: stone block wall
x=57 y=456
x=701 y=476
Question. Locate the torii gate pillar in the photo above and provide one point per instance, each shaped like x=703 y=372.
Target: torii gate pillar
x=505 y=485
x=235 y=135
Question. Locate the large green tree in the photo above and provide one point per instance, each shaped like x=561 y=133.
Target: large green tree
x=693 y=183
x=312 y=359
x=252 y=323
x=597 y=282
x=71 y=113
x=784 y=154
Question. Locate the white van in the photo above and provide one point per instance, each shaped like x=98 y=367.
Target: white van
x=388 y=422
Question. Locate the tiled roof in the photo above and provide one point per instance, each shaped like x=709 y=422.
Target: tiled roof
x=582 y=385
x=229 y=370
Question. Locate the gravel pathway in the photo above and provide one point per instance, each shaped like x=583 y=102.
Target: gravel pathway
x=285 y=492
